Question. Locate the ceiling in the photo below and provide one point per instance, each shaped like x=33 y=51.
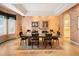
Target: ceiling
x=45 y=8
x=6 y=10
x=40 y=9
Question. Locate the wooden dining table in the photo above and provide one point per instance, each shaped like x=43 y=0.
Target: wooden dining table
x=40 y=36
x=28 y=37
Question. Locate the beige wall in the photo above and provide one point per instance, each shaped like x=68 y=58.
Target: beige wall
x=18 y=24
x=61 y=24
x=74 y=13
x=74 y=32
x=53 y=22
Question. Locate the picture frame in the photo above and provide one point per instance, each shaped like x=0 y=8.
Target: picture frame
x=34 y=24
x=45 y=24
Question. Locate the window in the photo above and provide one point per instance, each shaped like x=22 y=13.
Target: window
x=11 y=25
x=7 y=26
x=2 y=25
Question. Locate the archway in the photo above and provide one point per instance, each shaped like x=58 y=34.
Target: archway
x=67 y=27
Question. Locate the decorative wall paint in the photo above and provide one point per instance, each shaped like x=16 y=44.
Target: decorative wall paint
x=53 y=22
x=18 y=24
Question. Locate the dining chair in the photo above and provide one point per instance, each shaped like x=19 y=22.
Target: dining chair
x=55 y=38
x=35 y=40
x=44 y=32
x=23 y=38
x=48 y=40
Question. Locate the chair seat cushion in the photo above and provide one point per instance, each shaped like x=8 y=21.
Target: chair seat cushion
x=54 y=37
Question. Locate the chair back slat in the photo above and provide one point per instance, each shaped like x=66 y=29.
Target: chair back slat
x=48 y=36
x=35 y=36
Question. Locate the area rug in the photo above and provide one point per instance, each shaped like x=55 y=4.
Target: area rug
x=24 y=47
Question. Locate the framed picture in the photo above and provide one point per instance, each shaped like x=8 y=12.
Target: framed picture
x=34 y=24
x=45 y=24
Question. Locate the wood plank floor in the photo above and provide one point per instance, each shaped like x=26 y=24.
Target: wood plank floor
x=10 y=49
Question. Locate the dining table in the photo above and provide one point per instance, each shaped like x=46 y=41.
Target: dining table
x=42 y=36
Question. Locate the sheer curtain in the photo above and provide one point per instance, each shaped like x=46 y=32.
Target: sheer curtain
x=11 y=25
x=2 y=25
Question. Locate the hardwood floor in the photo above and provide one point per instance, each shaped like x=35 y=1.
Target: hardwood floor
x=10 y=49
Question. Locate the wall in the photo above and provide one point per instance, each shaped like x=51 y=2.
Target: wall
x=74 y=32
x=74 y=13
x=18 y=24
x=53 y=22
x=61 y=24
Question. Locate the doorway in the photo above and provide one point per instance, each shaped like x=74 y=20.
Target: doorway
x=67 y=27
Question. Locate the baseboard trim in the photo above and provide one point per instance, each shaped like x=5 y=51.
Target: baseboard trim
x=6 y=41
x=74 y=42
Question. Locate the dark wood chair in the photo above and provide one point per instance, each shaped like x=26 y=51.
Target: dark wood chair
x=58 y=33
x=23 y=39
x=44 y=32
x=48 y=40
x=55 y=38
x=35 y=39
